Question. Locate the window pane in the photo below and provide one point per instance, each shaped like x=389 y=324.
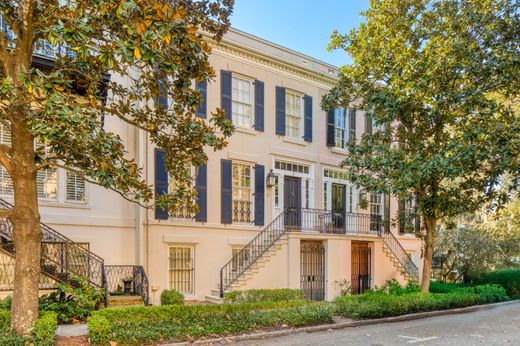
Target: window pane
x=75 y=187
x=242 y=108
x=241 y=193
x=292 y=115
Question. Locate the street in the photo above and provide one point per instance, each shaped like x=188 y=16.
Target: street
x=495 y=326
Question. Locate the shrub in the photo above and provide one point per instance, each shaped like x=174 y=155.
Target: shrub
x=264 y=295
x=380 y=304
x=172 y=297
x=5 y=304
x=72 y=304
x=43 y=333
x=509 y=279
x=141 y=325
x=5 y=318
x=393 y=287
x=441 y=287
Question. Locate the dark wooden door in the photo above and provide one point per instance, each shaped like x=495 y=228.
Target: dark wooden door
x=338 y=206
x=312 y=270
x=361 y=267
x=292 y=201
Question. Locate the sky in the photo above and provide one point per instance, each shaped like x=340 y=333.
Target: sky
x=301 y=25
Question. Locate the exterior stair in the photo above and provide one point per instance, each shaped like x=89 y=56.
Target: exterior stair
x=62 y=260
x=396 y=263
x=400 y=258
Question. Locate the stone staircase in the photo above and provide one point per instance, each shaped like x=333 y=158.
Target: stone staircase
x=396 y=263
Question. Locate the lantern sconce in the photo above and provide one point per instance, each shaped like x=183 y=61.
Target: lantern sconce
x=270 y=180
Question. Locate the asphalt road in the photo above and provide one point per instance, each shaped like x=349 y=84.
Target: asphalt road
x=499 y=325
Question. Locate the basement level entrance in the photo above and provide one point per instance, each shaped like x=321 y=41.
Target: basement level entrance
x=312 y=270
x=361 y=267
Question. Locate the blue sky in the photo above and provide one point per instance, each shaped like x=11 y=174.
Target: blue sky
x=301 y=25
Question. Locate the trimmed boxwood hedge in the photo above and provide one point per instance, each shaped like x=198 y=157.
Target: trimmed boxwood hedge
x=171 y=297
x=379 y=305
x=264 y=295
x=509 y=279
x=141 y=325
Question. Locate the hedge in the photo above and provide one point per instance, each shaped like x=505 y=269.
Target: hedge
x=379 y=305
x=264 y=295
x=171 y=297
x=43 y=333
x=509 y=279
x=141 y=325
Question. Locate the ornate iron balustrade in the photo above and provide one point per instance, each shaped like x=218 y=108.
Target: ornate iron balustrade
x=60 y=256
x=127 y=280
x=290 y=220
x=401 y=255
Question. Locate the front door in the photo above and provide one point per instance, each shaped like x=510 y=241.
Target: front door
x=312 y=271
x=292 y=201
x=361 y=267
x=338 y=206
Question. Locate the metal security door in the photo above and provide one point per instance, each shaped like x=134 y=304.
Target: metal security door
x=312 y=270
x=292 y=202
x=361 y=267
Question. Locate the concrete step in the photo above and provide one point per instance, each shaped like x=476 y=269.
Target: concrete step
x=214 y=299
x=115 y=301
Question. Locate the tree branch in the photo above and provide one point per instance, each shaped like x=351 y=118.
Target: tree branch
x=5 y=213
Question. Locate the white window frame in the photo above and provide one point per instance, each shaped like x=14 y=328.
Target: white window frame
x=234 y=101
x=80 y=201
x=234 y=188
x=352 y=197
x=281 y=173
x=341 y=142
x=191 y=271
x=299 y=95
x=181 y=214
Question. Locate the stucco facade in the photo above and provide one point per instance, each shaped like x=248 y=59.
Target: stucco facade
x=123 y=233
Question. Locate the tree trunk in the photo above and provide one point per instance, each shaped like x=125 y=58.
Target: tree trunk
x=429 y=224
x=25 y=219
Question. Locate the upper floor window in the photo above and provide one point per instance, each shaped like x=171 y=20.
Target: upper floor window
x=340 y=128
x=75 y=187
x=376 y=211
x=242 y=101
x=407 y=218
x=293 y=114
x=242 y=193
x=181 y=212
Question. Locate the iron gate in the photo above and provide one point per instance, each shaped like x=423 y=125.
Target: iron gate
x=361 y=268
x=312 y=270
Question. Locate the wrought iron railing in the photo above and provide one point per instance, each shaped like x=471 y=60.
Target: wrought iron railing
x=290 y=220
x=127 y=280
x=60 y=256
x=395 y=247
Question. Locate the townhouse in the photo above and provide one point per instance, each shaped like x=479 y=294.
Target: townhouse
x=276 y=210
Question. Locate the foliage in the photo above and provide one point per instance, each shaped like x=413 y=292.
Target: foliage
x=43 y=333
x=442 y=287
x=508 y=279
x=6 y=303
x=171 y=297
x=264 y=295
x=141 y=325
x=345 y=287
x=72 y=304
x=426 y=72
x=110 y=62
x=380 y=304
x=393 y=287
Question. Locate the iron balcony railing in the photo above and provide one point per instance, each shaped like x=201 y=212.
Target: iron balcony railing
x=60 y=256
x=393 y=244
x=290 y=220
x=127 y=280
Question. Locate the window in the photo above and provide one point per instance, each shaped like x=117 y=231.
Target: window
x=242 y=102
x=241 y=193
x=46 y=179
x=181 y=269
x=376 y=211
x=307 y=194
x=325 y=196
x=291 y=167
x=334 y=174
x=181 y=212
x=276 y=192
x=75 y=187
x=340 y=128
x=293 y=115
x=241 y=259
x=408 y=217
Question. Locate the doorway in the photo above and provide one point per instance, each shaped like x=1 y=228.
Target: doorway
x=312 y=270
x=361 y=267
x=292 y=201
x=338 y=205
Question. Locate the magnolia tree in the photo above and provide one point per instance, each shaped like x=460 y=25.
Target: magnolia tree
x=156 y=47
x=427 y=72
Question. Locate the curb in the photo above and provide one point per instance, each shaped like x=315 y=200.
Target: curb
x=341 y=325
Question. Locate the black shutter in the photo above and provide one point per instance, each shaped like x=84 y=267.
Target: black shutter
x=368 y=124
x=225 y=93
x=163 y=92
x=307 y=119
x=352 y=126
x=259 y=105
x=201 y=185
x=161 y=182
x=401 y=216
x=259 y=194
x=226 y=192
x=331 y=141
x=202 y=88
x=280 y=111
x=417 y=215
x=386 y=211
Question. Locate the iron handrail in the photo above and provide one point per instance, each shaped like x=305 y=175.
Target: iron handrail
x=394 y=245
